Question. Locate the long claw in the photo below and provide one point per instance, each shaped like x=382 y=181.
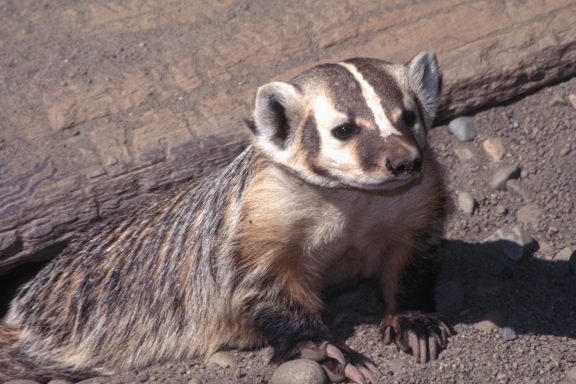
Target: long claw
x=414 y=345
x=432 y=342
x=423 y=350
x=354 y=374
x=334 y=353
x=388 y=335
x=368 y=374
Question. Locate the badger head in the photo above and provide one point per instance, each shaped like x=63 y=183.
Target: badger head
x=360 y=123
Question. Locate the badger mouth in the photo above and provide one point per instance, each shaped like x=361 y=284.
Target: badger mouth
x=385 y=184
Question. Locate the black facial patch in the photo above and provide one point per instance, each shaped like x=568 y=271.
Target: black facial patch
x=369 y=149
x=311 y=138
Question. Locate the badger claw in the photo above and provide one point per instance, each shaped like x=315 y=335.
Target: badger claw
x=421 y=334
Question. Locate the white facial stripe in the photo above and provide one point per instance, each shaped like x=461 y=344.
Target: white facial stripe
x=373 y=102
x=326 y=115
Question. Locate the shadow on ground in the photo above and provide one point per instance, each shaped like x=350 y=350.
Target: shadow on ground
x=478 y=282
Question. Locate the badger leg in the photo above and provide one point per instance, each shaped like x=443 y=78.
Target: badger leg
x=289 y=319
x=417 y=331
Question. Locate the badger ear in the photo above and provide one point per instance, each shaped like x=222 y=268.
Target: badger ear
x=426 y=81
x=279 y=111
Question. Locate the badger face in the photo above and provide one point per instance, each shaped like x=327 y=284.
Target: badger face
x=361 y=123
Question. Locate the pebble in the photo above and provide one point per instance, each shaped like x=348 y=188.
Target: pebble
x=21 y=381
x=494 y=319
x=143 y=377
x=223 y=359
x=494 y=148
x=59 y=381
x=501 y=210
x=396 y=365
x=572 y=98
x=520 y=188
x=516 y=242
x=301 y=371
x=466 y=203
x=96 y=380
x=528 y=214
x=463 y=129
x=502 y=175
x=571 y=374
x=508 y=334
x=195 y=381
x=565 y=254
x=566 y=148
x=485 y=325
x=558 y=101
x=463 y=152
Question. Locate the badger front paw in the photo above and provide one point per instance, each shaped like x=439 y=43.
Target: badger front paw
x=421 y=334
x=339 y=361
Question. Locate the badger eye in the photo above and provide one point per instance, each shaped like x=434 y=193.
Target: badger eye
x=408 y=117
x=345 y=131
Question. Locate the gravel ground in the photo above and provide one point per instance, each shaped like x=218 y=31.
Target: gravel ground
x=515 y=320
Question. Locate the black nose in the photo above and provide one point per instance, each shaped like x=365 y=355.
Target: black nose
x=405 y=166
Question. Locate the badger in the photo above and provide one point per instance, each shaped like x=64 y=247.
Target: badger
x=337 y=186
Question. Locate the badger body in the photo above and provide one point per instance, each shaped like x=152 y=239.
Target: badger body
x=338 y=186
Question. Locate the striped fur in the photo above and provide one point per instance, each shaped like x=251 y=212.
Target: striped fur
x=243 y=257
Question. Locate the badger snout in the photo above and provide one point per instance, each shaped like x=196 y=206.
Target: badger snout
x=403 y=157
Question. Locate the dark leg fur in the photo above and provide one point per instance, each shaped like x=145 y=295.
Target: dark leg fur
x=293 y=332
x=414 y=327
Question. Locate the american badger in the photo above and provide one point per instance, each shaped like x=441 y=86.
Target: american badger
x=337 y=186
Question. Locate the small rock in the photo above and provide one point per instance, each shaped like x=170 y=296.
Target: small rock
x=195 y=380
x=508 y=334
x=223 y=359
x=516 y=242
x=502 y=175
x=494 y=319
x=494 y=148
x=466 y=203
x=520 y=188
x=501 y=376
x=558 y=101
x=143 y=377
x=463 y=152
x=59 y=381
x=396 y=365
x=528 y=214
x=501 y=210
x=565 y=254
x=565 y=149
x=463 y=129
x=96 y=380
x=301 y=371
x=571 y=374
x=21 y=381
x=485 y=325
x=572 y=98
